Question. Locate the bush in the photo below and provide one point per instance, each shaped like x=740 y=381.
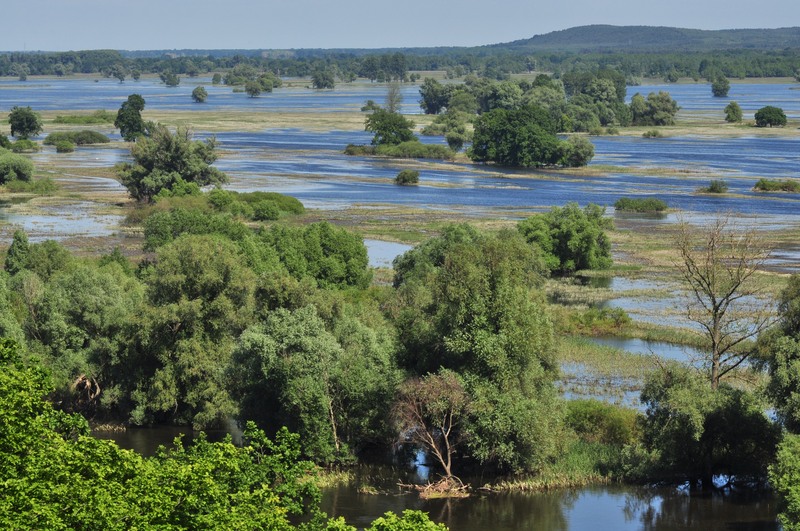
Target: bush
x=407 y=177
x=24 y=146
x=733 y=113
x=44 y=186
x=717 y=186
x=266 y=211
x=15 y=167
x=284 y=203
x=640 y=204
x=97 y=117
x=359 y=150
x=769 y=185
x=653 y=133
x=576 y=151
x=611 y=130
x=599 y=422
x=5 y=143
x=64 y=146
x=78 y=138
x=414 y=150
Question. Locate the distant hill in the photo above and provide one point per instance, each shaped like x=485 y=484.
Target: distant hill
x=605 y=38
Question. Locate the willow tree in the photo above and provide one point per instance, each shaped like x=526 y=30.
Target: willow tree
x=718 y=265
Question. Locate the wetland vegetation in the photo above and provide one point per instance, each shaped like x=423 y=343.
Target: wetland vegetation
x=235 y=284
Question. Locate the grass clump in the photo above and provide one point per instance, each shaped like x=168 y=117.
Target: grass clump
x=653 y=133
x=407 y=177
x=716 y=186
x=24 y=145
x=97 y=117
x=79 y=138
x=640 y=204
x=44 y=186
x=777 y=185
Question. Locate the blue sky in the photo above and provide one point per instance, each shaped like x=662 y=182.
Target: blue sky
x=167 y=24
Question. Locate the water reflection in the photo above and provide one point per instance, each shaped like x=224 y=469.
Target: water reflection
x=608 y=507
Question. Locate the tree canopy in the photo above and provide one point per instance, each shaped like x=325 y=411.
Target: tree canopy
x=770 y=116
x=389 y=127
x=129 y=118
x=169 y=162
x=24 y=122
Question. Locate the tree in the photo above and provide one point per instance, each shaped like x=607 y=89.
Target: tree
x=164 y=162
x=389 y=127
x=720 y=87
x=767 y=116
x=129 y=118
x=323 y=79
x=429 y=412
x=24 y=122
x=576 y=151
x=696 y=432
x=570 y=239
x=252 y=88
x=434 y=96
x=393 y=97
x=784 y=475
x=170 y=79
x=18 y=254
x=199 y=94
x=718 y=265
x=407 y=177
x=657 y=109
x=518 y=138
x=733 y=113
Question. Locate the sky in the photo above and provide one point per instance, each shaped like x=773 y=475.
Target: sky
x=59 y=25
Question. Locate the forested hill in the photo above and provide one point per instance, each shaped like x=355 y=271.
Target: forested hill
x=608 y=38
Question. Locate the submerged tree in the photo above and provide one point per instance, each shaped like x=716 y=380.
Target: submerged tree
x=718 y=265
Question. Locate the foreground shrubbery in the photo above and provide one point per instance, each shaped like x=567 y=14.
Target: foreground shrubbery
x=15 y=167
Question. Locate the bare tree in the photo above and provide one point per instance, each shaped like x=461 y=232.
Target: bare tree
x=428 y=412
x=718 y=264
x=393 y=97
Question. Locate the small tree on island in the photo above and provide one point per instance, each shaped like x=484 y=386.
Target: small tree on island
x=770 y=116
x=733 y=113
x=720 y=87
x=252 y=88
x=406 y=177
x=389 y=127
x=199 y=94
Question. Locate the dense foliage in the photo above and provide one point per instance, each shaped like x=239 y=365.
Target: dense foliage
x=169 y=163
x=640 y=204
x=129 y=118
x=15 y=167
x=770 y=116
x=79 y=138
x=24 y=122
x=570 y=239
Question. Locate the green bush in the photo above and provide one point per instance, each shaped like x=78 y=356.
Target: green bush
x=611 y=130
x=599 y=422
x=15 y=167
x=359 y=150
x=64 y=146
x=770 y=185
x=407 y=177
x=284 y=203
x=78 y=138
x=640 y=204
x=5 y=143
x=716 y=186
x=24 y=145
x=44 y=186
x=652 y=133
x=414 y=150
x=266 y=211
x=97 y=117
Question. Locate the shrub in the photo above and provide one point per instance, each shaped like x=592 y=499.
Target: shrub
x=611 y=130
x=266 y=211
x=284 y=203
x=64 y=146
x=717 y=186
x=44 y=186
x=733 y=112
x=653 y=133
x=78 y=138
x=15 y=167
x=770 y=185
x=640 y=204
x=407 y=177
x=599 y=422
x=414 y=149
x=24 y=145
x=97 y=117
x=359 y=150
x=5 y=143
